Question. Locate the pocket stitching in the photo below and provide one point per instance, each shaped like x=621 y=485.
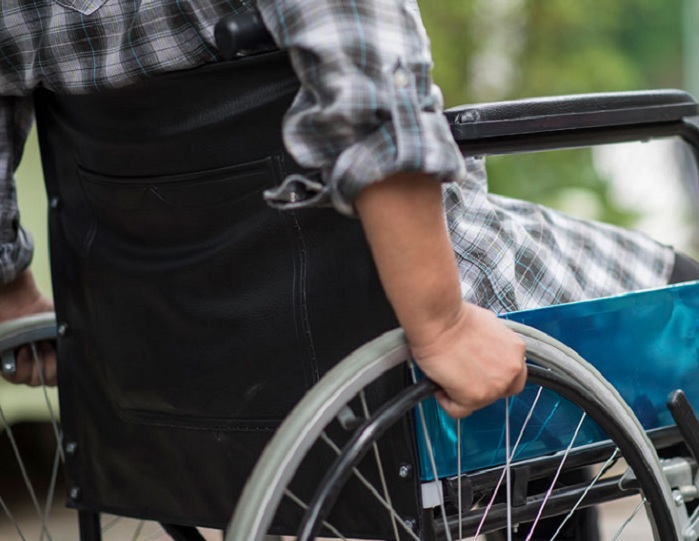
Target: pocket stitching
x=159 y=184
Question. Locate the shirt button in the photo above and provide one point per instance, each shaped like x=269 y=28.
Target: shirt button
x=401 y=78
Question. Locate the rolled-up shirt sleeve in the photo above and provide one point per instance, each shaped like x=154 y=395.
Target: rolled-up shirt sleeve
x=16 y=246
x=367 y=107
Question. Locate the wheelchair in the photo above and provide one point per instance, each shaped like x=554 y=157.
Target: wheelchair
x=367 y=454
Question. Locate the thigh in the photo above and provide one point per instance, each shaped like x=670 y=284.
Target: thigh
x=686 y=269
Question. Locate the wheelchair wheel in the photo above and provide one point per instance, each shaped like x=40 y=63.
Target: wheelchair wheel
x=32 y=488
x=500 y=502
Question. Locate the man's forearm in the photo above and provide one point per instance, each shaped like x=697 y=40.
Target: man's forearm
x=404 y=223
x=465 y=349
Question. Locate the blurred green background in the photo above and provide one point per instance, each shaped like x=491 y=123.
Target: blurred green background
x=33 y=208
x=488 y=50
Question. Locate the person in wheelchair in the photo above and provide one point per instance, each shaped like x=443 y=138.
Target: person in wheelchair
x=386 y=126
x=156 y=157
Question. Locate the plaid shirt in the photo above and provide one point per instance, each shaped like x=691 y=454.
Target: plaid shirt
x=367 y=108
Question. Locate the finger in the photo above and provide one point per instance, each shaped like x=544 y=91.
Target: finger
x=23 y=367
x=452 y=408
x=519 y=382
x=34 y=370
x=44 y=364
x=43 y=359
x=48 y=354
x=37 y=367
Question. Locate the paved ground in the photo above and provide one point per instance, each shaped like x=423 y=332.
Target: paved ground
x=63 y=522
x=63 y=527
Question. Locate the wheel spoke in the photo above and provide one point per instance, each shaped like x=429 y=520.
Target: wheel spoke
x=113 y=521
x=27 y=481
x=530 y=414
x=543 y=427
x=508 y=470
x=137 y=532
x=629 y=519
x=597 y=477
x=430 y=452
x=379 y=466
x=9 y=515
x=298 y=501
x=693 y=522
x=555 y=477
x=156 y=535
x=52 y=486
x=362 y=479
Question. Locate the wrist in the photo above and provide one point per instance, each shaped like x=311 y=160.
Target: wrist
x=23 y=284
x=22 y=297
x=433 y=331
x=404 y=222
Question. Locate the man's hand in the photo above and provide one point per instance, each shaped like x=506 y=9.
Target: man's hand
x=21 y=298
x=466 y=350
x=475 y=361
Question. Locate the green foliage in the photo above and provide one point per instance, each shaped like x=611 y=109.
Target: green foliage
x=489 y=50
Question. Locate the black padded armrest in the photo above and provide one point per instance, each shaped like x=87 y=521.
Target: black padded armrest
x=559 y=122
x=584 y=111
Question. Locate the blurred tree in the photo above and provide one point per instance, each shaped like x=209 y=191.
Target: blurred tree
x=489 y=50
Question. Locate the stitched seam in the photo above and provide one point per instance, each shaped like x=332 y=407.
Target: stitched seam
x=305 y=322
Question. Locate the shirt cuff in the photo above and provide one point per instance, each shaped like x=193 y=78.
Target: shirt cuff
x=411 y=139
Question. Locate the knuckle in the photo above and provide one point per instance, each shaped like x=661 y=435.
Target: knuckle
x=458 y=410
x=483 y=394
x=515 y=370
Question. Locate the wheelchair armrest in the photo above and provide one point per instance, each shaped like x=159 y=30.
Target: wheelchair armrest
x=569 y=112
x=576 y=120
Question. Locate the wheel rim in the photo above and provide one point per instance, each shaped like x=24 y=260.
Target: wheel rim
x=394 y=352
